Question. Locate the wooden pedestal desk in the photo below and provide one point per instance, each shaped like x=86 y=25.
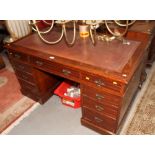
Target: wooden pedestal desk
x=108 y=74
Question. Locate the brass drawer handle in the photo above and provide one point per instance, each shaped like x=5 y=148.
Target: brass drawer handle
x=99 y=97
x=17 y=56
x=99 y=83
x=98 y=120
x=66 y=72
x=39 y=63
x=99 y=108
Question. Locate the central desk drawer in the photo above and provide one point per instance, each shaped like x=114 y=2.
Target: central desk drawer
x=54 y=67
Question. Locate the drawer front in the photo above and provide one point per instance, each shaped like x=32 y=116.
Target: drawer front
x=22 y=67
x=102 y=108
x=54 y=67
x=101 y=96
x=25 y=76
x=99 y=120
x=102 y=82
x=29 y=94
x=18 y=56
x=29 y=87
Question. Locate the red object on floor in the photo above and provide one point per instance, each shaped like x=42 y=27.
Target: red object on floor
x=66 y=100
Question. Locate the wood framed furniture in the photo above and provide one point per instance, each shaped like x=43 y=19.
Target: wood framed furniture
x=108 y=74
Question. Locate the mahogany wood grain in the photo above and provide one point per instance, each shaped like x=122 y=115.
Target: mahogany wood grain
x=108 y=74
x=84 y=56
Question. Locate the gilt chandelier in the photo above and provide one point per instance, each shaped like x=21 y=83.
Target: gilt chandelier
x=88 y=26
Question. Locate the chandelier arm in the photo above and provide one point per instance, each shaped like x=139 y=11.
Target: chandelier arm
x=48 y=42
x=65 y=34
x=114 y=34
x=31 y=22
x=124 y=24
x=47 y=22
x=92 y=36
x=42 y=32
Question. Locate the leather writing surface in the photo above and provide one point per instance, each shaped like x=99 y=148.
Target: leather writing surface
x=110 y=56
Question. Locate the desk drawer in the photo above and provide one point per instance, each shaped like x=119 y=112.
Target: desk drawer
x=29 y=87
x=54 y=67
x=102 y=82
x=22 y=67
x=29 y=94
x=18 y=56
x=101 y=96
x=25 y=76
x=102 y=108
x=102 y=121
